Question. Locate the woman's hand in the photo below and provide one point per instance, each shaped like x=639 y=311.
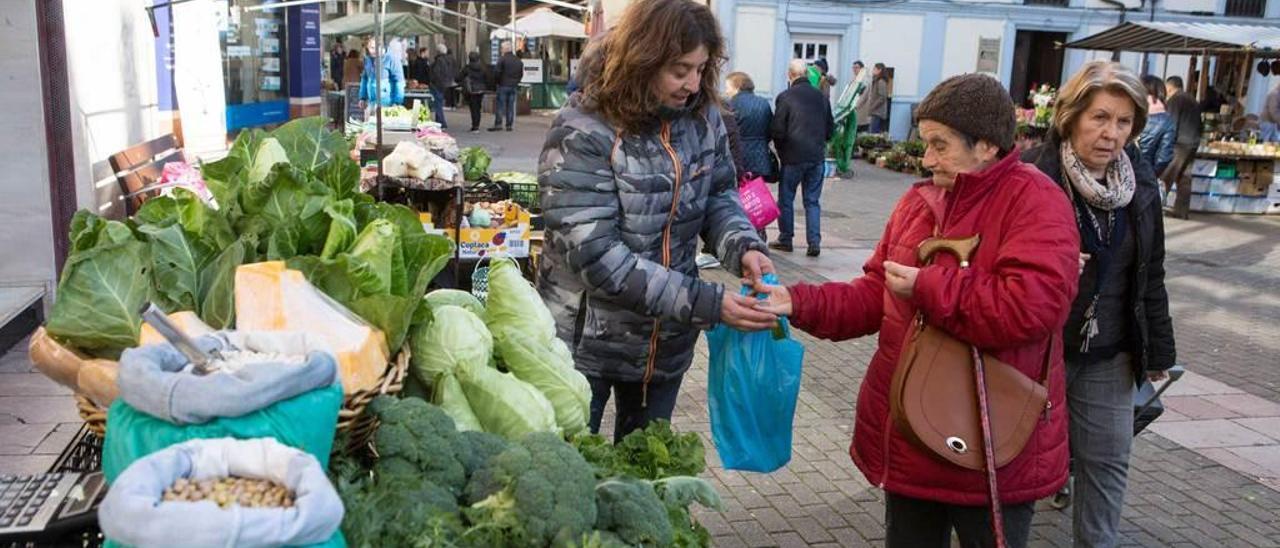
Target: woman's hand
x=1157 y=376
x=740 y=313
x=1084 y=259
x=754 y=265
x=901 y=279
x=777 y=302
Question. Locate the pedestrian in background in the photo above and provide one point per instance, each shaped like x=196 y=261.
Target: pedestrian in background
x=800 y=129
x=420 y=68
x=1187 y=125
x=337 y=55
x=444 y=72
x=846 y=121
x=474 y=80
x=875 y=110
x=753 y=115
x=391 y=90
x=1119 y=332
x=510 y=72
x=1156 y=140
x=820 y=78
x=351 y=68
x=636 y=168
x=1009 y=301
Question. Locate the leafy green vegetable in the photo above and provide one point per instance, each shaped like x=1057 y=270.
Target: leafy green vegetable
x=217 y=286
x=268 y=155
x=514 y=305
x=177 y=261
x=506 y=405
x=342 y=228
x=450 y=397
x=404 y=511
x=454 y=297
x=475 y=162
x=652 y=453
x=455 y=339
x=309 y=143
x=372 y=256
x=391 y=314
x=547 y=366
x=101 y=290
x=516 y=177
x=417 y=439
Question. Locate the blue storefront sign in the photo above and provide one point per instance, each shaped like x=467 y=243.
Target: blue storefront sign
x=166 y=93
x=257 y=114
x=304 y=51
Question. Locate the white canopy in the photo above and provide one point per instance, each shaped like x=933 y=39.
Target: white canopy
x=544 y=23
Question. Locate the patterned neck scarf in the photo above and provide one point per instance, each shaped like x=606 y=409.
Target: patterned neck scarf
x=1120 y=180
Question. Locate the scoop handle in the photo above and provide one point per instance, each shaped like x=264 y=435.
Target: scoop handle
x=172 y=333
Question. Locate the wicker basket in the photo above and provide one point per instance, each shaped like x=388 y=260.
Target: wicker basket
x=352 y=419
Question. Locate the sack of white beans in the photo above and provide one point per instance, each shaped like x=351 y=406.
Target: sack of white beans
x=223 y=492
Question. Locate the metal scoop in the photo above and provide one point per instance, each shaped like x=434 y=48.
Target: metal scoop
x=170 y=331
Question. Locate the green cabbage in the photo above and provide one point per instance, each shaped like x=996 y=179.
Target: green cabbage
x=505 y=405
x=373 y=255
x=513 y=304
x=450 y=397
x=475 y=162
x=442 y=297
x=269 y=153
x=548 y=366
x=455 y=339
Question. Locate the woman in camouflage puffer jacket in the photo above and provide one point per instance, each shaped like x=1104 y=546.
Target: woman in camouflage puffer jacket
x=634 y=170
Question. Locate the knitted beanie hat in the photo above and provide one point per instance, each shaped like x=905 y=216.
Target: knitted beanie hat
x=972 y=104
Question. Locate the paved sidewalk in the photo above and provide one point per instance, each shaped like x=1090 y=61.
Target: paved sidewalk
x=1203 y=475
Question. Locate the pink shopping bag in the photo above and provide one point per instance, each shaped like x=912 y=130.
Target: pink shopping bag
x=759 y=204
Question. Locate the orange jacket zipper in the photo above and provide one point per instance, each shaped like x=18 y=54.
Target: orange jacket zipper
x=666 y=255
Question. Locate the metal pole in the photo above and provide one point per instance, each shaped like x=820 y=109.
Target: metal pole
x=378 y=15
x=513 y=26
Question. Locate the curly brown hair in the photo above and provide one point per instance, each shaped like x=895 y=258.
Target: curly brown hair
x=651 y=35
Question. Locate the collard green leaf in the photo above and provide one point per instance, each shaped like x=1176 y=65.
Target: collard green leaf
x=96 y=310
x=283 y=243
x=85 y=229
x=425 y=256
x=245 y=147
x=308 y=142
x=160 y=211
x=177 y=260
x=389 y=313
x=217 y=286
x=342 y=228
x=342 y=175
x=373 y=255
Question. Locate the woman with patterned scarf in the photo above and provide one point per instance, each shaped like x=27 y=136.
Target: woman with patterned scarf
x=1119 y=333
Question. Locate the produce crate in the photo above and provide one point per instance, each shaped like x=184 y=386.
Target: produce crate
x=83 y=454
x=487 y=191
x=526 y=195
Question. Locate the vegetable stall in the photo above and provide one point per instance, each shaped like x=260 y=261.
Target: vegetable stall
x=344 y=385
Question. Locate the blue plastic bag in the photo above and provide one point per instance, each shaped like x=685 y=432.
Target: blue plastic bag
x=752 y=385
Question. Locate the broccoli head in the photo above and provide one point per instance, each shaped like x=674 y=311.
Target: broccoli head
x=417 y=439
x=399 y=512
x=539 y=492
x=631 y=509
x=479 y=447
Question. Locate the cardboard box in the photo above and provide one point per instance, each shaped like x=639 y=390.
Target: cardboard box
x=1266 y=173
x=1224 y=187
x=1204 y=168
x=510 y=241
x=1215 y=203
x=1250 y=205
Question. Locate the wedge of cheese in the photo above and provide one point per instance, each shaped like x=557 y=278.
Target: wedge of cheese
x=186 y=320
x=271 y=297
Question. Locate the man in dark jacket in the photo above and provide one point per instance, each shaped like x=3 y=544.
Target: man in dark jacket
x=1184 y=112
x=444 y=72
x=420 y=68
x=800 y=129
x=336 y=56
x=509 y=72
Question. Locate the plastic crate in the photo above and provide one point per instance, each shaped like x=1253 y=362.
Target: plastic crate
x=83 y=454
x=486 y=191
x=525 y=194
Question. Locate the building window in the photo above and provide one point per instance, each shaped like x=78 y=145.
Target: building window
x=1246 y=8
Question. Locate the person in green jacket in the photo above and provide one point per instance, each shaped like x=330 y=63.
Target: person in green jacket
x=846 y=117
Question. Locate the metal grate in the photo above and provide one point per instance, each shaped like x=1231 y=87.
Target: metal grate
x=57 y=120
x=1246 y=8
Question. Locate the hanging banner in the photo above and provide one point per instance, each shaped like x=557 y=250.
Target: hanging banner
x=197 y=76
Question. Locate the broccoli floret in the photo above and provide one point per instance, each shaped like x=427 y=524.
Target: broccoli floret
x=539 y=491
x=602 y=539
x=479 y=447
x=403 y=512
x=417 y=439
x=631 y=508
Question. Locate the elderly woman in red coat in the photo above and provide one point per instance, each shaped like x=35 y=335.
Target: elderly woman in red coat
x=1013 y=296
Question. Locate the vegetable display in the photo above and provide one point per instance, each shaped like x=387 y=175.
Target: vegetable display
x=292 y=195
x=475 y=162
x=535 y=490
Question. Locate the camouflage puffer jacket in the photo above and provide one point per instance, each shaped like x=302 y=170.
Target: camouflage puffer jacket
x=623 y=220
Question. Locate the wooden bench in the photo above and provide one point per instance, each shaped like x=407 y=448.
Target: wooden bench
x=138 y=169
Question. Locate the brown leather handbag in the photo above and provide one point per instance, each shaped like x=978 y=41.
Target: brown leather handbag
x=934 y=396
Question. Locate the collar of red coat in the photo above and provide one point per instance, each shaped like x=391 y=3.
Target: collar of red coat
x=970 y=188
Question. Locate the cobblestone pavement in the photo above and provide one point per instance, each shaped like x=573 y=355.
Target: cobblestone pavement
x=1224 y=281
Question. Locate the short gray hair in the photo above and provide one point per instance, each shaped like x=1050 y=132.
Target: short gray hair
x=442 y=48
x=797 y=67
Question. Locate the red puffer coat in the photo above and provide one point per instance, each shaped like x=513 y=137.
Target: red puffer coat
x=1016 y=293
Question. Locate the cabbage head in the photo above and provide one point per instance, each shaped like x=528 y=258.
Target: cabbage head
x=455 y=339
x=449 y=396
x=442 y=297
x=269 y=154
x=548 y=366
x=505 y=405
x=513 y=303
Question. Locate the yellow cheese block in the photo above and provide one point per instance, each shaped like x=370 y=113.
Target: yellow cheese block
x=186 y=320
x=270 y=297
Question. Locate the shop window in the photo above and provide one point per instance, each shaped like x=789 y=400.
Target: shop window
x=255 y=65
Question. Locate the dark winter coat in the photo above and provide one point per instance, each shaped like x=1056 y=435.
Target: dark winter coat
x=474 y=78
x=754 y=116
x=1185 y=113
x=802 y=124
x=1152 y=337
x=444 y=71
x=623 y=218
x=510 y=70
x=1009 y=301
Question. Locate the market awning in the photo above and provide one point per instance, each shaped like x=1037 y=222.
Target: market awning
x=395 y=24
x=544 y=23
x=1169 y=37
